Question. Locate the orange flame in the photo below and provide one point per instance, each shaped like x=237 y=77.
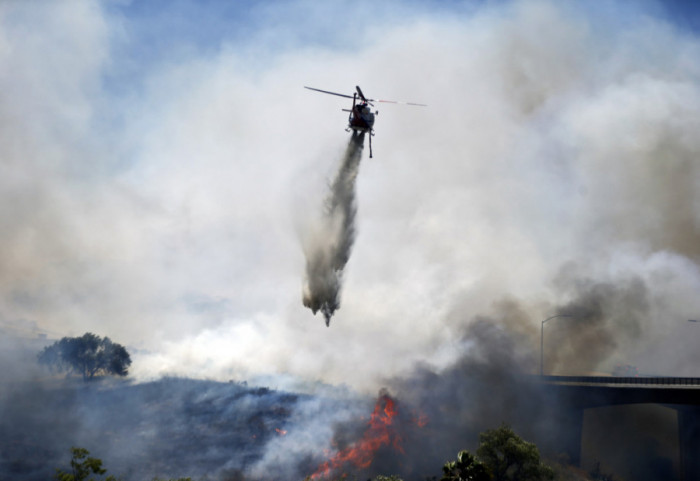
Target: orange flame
x=281 y=432
x=420 y=419
x=379 y=432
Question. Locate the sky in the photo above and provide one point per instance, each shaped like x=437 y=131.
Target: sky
x=162 y=164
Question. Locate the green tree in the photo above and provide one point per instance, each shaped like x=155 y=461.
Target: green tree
x=87 y=355
x=82 y=466
x=466 y=468
x=510 y=458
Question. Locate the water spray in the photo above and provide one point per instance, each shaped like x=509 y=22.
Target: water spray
x=328 y=247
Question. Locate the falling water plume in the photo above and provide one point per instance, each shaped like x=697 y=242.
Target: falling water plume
x=328 y=247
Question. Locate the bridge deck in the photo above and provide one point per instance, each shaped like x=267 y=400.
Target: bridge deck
x=665 y=382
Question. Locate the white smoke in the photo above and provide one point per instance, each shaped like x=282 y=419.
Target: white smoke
x=557 y=132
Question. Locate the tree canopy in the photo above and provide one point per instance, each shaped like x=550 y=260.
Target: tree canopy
x=502 y=456
x=82 y=466
x=466 y=468
x=87 y=355
x=510 y=458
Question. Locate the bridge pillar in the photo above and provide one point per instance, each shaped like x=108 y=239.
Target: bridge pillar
x=570 y=434
x=689 y=442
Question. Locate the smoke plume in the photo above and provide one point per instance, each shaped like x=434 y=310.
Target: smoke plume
x=143 y=199
x=328 y=247
x=604 y=317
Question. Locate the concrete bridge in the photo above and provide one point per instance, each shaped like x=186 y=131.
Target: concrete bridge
x=578 y=393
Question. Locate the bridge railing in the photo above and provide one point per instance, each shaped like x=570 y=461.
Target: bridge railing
x=659 y=381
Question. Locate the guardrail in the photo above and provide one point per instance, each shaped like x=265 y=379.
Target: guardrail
x=655 y=381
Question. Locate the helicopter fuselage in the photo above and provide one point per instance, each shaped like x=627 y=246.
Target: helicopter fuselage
x=361 y=118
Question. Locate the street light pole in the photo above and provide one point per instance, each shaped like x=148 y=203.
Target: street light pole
x=542 y=339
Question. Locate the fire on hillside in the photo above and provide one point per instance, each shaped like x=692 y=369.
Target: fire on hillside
x=382 y=430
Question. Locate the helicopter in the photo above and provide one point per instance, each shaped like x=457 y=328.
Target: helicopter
x=361 y=119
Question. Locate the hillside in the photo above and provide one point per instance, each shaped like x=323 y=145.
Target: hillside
x=167 y=428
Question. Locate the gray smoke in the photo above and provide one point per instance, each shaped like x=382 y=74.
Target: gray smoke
x=489 y=383
x=605 y=318
x=484 y=387
x=327 y=248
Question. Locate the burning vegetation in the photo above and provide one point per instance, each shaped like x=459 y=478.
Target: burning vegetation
x=381 y=431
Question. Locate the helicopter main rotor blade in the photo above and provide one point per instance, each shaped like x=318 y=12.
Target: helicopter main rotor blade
x=365 y=99
x=400 y=103
x=330 y=93
x=386 y=101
